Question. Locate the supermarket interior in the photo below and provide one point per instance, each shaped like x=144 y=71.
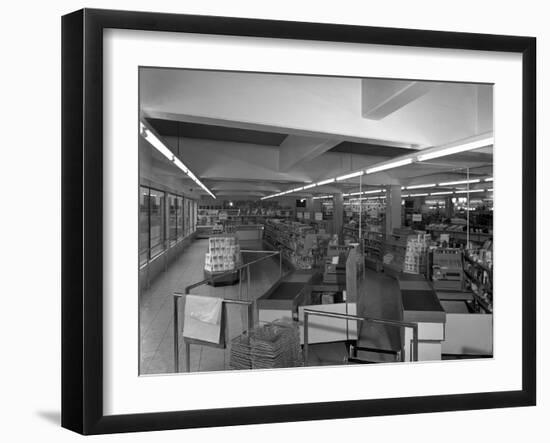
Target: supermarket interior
x=298 y=220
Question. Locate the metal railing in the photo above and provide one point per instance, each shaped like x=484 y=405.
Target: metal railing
x=178 y=295
x=396 y=323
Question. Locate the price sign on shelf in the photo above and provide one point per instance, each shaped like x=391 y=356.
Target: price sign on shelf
x=306 y=215
x=417 y=217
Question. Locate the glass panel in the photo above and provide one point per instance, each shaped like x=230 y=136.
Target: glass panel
x=156 y=231
x=172 y=220
x=143 y=225
x=180 y=217
x=186 y=215
x=194 y=221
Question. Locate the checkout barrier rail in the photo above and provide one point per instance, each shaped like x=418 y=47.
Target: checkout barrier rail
x=178 y=295
x=187 y=345
x=396 y=323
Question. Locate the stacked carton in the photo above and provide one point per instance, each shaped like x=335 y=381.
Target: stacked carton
x=416 y=254
x=223 y=254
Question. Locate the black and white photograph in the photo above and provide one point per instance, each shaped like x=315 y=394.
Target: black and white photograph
x=291 y=221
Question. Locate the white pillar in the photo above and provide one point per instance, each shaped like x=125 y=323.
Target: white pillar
x=393 y=208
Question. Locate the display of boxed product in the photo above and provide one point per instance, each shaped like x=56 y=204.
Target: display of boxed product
x=297 y=241
x=416 y=254
x=223 y=254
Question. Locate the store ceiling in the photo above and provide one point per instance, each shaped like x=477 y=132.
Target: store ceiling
x=257 y=134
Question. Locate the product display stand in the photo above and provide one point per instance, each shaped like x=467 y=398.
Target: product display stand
x=223 y=256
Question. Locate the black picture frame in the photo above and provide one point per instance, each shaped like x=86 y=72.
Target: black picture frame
x=82 y=232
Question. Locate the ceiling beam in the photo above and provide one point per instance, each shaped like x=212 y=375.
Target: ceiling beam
x=297 y=148
x=381 y=98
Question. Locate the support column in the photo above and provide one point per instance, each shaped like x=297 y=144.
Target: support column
x=310 y=208
x=393 y=208
x=338 y=215
x=449 y=207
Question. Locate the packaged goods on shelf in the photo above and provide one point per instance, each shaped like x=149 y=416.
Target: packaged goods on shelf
x=223 y=254
x=297 y=241
x=416 y=254
x=395 y=247
x=478 y=270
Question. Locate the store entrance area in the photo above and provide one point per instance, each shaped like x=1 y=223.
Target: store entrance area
x=313 y=221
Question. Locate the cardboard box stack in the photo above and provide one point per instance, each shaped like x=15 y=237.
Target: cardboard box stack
x=223 y=254
x=416 y=254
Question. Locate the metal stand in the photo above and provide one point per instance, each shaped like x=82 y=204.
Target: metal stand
x=250 y=314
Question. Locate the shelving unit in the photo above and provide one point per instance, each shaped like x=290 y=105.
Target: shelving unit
x=479 y=278
x=297 y=241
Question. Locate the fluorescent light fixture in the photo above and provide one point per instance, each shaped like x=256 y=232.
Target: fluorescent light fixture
x=356 y=193
x=346 y=195
x=430 y=185
x=470 y=191
x=389 y=165
x=455 y=148
x=490 y=179
x=442 y=193
x=297 y=189
x=348 y=176
x=459 y=182
x=164 y=150
x=418 y=195
x=180 y=165
x=490 y=190
x=310 y=186
x=155 y=141
x=374 y=191
x=325 y=182
x=321 y=197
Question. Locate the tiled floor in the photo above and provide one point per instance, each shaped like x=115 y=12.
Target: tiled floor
x=156 y=310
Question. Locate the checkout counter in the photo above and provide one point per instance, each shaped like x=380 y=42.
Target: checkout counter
x=420 y=305
x=288 y=298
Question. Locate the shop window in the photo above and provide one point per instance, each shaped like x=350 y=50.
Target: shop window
x=172 y=218
x=179 y=217
x=143 y=225
x=186 y=217
x=156 y=222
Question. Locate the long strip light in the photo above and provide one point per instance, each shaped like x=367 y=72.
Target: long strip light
x=459 y=182
x=466 y=191
x=310 y=186
x=429 y=185
x=164 y=150
x=325 y=182
x=418 y=195
x=490 y=179
x=455 y=149
x=348 y=176
x=322 y=197
x=442 y=193
x=389 y=165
